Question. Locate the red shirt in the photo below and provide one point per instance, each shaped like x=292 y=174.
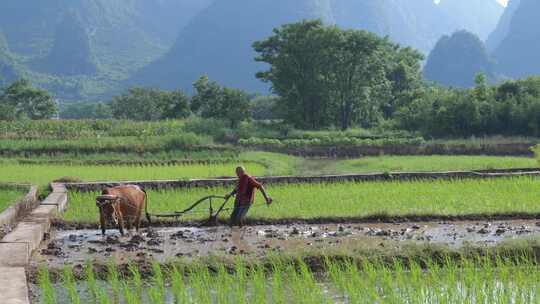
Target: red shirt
x=245 y=191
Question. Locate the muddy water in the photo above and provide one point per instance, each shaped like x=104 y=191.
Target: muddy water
x=165 y=244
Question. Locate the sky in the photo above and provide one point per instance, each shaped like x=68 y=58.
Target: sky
x=503 y=2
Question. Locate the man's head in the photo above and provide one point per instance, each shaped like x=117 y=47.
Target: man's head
x=240 y=171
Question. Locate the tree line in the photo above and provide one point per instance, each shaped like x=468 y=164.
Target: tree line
x=320 y=77
x=210 y=100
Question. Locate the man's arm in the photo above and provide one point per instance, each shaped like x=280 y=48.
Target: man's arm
x=266 y=197
x=259 y=186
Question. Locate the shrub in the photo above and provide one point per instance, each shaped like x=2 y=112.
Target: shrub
x=186 y=140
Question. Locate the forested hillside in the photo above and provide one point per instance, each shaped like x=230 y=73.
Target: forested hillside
x=8 y=71
x=518 y=54
x=71 y=53
x=123 y=35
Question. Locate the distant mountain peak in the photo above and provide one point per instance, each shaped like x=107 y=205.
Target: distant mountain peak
x=457 y=59
x=503 y=26
x=518 y=54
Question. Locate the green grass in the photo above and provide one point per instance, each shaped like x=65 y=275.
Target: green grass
x=276 y=163
x=431 y=163
x=355 y=200
x=8 y=197
x=465 y=280
x=259 y=163
x=43 y=174
x=286 y=164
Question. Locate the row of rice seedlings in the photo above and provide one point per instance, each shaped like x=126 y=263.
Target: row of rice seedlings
x=44 y=174
x=354 y=200
x=469 y=280
x=433 y=163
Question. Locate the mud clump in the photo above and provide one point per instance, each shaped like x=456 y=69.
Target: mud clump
x=152 y=234
x=154 y=242
x=136 y=239
x=178 y=235
x=112 y=240
x=53 y=249
x=500 y=231
x=484 y=231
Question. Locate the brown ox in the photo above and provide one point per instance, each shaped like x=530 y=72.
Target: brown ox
x=121 y=203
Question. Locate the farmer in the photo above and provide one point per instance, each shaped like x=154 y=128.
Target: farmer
x=245 y=195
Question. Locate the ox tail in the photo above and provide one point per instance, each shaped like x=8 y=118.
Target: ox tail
x=146 y=206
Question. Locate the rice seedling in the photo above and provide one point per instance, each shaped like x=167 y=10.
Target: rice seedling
x=354 y=200
x=136 y=284
x=157 y=291
x=70 y=285
x=48 y=295
x=114 y=281
x=465 y=280
x=178 y=286
x=91 y=281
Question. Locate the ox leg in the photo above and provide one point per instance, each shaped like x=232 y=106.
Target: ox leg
x=120 y=219
x=102 y=221
x=137 y=222
x=128 y=224
x=121 y=224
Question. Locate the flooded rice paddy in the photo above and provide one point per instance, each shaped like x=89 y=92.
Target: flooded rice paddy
x=166 y=244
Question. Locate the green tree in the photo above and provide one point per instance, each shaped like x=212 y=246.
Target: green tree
x=264 y=108
x=214 y=101
x=355 y=75
x=404 y=71
x=328 y=76
x=150 y=104
x=21 y=100
x=297 y=65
